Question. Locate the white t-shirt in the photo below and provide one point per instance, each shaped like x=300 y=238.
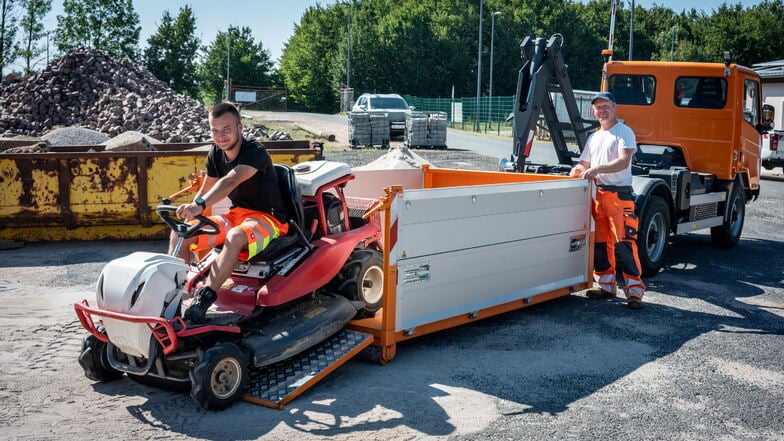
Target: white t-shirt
x=603 y=146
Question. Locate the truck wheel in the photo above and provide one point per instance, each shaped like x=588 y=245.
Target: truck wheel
x=727 y=234
x=220 y=378
x=95 y=361
x=362 y=279
x=653 y=236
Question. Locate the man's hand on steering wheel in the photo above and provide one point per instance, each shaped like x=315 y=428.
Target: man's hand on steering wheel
x=189 y=211
x=204 y=225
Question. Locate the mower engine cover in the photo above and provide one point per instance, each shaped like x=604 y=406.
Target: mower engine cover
x=142 y=285
x=312 y=175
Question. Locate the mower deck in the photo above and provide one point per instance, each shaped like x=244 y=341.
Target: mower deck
x=275 y=385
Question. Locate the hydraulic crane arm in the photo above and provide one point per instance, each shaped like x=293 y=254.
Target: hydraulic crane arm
x=544 y=72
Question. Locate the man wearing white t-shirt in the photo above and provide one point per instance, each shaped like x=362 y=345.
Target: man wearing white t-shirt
x=606 y=160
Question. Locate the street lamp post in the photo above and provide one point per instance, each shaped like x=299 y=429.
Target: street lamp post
x=228 y=65
x=478 y=70
x=490 y=93
x=631 y=33
x=348 y=49
x=674 y=37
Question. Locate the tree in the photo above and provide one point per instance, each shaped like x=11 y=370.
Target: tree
x=418 y=45
x=108 y=25
x=426 y=47
x=722 y=31
x=581 y=44
x=250 y=64
x=763 y=22
x=171 y=52
x=308 y=65
x=33 y=31
x=7 y=33
x=407 y=46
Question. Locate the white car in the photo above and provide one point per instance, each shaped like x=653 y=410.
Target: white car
x=390 y=103
x=773 y=149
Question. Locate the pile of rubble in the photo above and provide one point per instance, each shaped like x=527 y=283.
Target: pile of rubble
x=260 y=131
x=89 y=88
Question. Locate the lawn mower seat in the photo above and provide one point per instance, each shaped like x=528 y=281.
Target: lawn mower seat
x=295 y=215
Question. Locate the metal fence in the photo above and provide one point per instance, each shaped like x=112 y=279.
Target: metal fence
x=463 y=113
x=260 y=98
x=492 y=113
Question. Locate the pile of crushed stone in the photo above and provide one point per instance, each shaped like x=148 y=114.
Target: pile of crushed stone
x=74 y=136
x=459 y=159
x=91 y=89
x=397 y=157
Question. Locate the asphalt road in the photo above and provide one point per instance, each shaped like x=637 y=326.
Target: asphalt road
x=492 y=146
x=704 y=360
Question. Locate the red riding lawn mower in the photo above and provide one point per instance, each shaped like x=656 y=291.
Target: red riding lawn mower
x=302 y=289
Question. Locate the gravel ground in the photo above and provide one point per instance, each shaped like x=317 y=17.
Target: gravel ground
x=339 y=149
x=702 y=360
x=439 y=158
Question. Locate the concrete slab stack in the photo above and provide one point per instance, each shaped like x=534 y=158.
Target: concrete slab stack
x=367 y=129
x=416 y=129
x=358 y=129
x=379 y=129
x=426 y=129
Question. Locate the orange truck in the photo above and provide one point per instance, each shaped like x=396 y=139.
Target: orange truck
x=698 y=128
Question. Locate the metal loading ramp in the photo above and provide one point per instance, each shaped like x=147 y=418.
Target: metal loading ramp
x=276 y=385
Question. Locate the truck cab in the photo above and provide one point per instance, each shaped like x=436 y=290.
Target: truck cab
x=709 y=112
x=699 y=128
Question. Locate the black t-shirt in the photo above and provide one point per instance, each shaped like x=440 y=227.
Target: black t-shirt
x=260 y=192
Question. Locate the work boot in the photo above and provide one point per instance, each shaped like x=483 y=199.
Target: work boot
x=599 y=294
x=634 y=302
x=202 y=300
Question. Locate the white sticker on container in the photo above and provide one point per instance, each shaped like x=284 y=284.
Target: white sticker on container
x=416 y=273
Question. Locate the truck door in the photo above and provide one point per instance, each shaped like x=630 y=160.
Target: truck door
x=750 y=138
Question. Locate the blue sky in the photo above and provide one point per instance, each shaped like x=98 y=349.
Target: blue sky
x=272 y=21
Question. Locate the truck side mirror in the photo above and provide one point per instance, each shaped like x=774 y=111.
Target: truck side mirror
x=768 y=113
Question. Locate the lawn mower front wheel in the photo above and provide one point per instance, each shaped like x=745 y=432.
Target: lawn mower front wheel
x=221 y=376
x=94 y=359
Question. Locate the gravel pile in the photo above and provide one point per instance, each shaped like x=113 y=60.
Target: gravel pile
x=90 y=89
x=261 y=131
x=74 y=136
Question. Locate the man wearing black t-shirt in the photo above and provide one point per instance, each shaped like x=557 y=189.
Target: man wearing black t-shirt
x=241 y=170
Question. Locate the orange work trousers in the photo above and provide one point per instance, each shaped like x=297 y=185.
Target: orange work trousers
x=616 y=241
x=259 y=227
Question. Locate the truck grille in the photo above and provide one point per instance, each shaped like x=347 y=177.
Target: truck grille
x=706 y=211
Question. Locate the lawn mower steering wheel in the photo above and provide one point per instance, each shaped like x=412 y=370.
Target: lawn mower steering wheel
x=184 y=229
